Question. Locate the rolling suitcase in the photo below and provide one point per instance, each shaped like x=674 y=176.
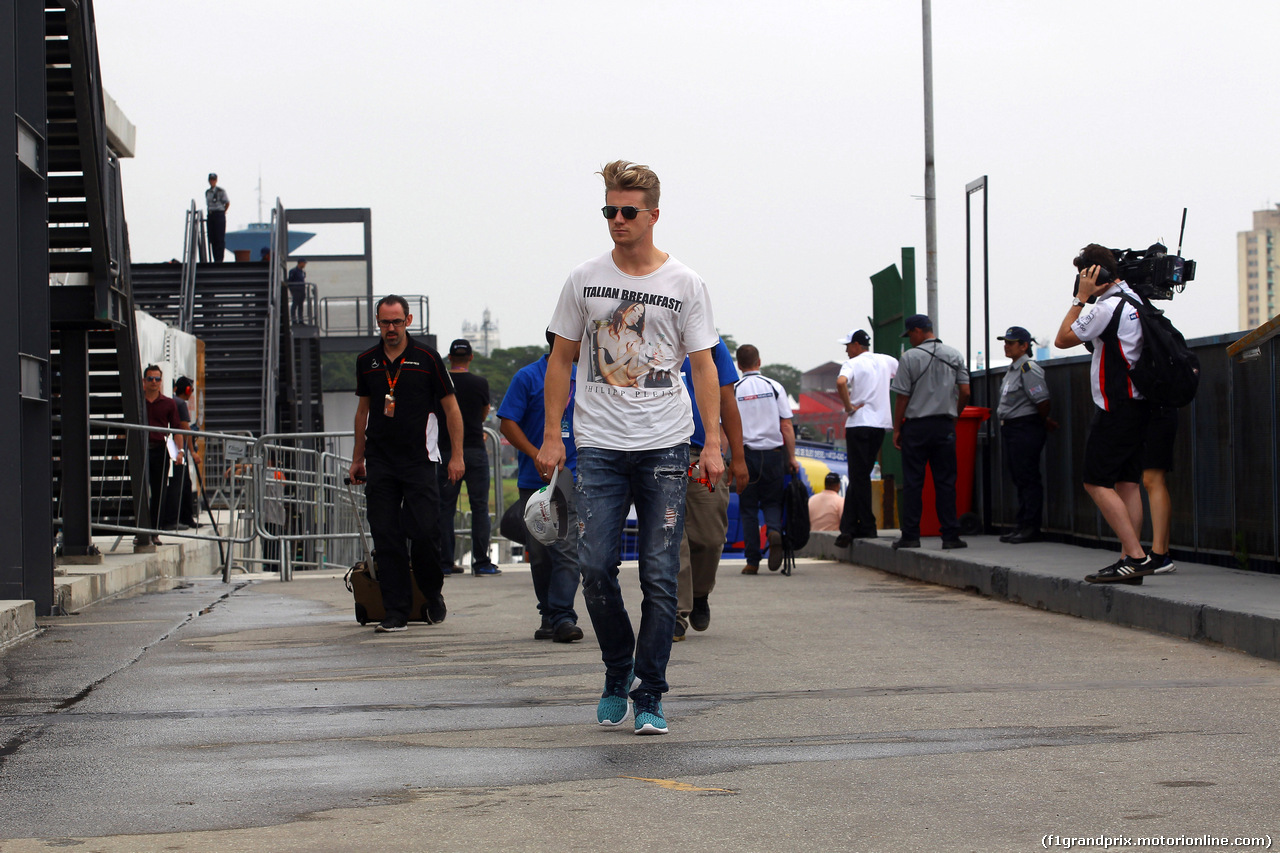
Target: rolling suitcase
x=362 y=579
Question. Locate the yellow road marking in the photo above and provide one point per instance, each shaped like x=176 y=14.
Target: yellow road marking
x=684 y=787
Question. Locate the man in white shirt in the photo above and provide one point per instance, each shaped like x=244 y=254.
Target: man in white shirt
x=633 y=314
x=1113 y=450
x=863 y=385
x=770 y=444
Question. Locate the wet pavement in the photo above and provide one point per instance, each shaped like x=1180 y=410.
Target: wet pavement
x=840 y=708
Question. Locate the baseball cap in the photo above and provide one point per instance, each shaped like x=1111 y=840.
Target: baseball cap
x=856 y=337
x=461 y=347
x=1016 y=333
x=546 y=514
x=918 y=321
x=213 y=176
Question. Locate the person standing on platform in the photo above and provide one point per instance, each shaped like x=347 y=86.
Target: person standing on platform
x=183 y=391
x=632 y=423
x=472 y=395
x=932 y=385
x=297 y=292
x=554 y=567
x=217 y=204
x=863 y=385
x=400 y=383
x=770 y=444
x=1024 y=424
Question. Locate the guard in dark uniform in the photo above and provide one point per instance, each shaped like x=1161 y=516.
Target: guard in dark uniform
x=1024 y=424
x=217 y=204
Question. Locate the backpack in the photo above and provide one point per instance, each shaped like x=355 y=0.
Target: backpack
x=1168 y=372
x=796 y=506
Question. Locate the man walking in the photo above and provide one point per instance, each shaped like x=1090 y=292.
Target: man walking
x=472 y=395
x=217 y=204
x=554 y=567
x=706 y=512
x=636 y=312
x=932 y=385
x=1113 y=451
x=400 y=382
x=863 y=385
x=162 y=412
x=770 y=445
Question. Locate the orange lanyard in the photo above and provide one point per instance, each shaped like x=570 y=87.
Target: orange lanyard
x=392 y=380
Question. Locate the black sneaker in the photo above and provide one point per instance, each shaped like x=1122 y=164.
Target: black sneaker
x=566 y=632
x=1124 y=570
x=949 y=544
x=1024 y=534
x=700 y=618
x=435 y=608
x=904 y=542
x=678 y=634
x=544 y=631
x=391 y=625
x=1163 y=563
x=843 y=541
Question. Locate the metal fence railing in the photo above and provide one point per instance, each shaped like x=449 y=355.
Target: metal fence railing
x=1226 y=477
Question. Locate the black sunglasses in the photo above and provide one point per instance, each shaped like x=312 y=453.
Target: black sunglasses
x=628 y=212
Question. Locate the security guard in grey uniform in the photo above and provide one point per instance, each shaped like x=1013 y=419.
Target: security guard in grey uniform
x=1024 y=424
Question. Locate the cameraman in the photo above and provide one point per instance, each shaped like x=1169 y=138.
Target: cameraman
x=1113 y=451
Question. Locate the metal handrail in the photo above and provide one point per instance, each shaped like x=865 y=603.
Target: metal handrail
x=192 y=250
x=335 y=309
x=279 y=243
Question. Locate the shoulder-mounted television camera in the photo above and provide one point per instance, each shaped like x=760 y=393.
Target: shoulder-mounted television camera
x=1152 y=273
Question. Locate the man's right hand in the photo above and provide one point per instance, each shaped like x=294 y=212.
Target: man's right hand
x=550 y=456
x=357 y=471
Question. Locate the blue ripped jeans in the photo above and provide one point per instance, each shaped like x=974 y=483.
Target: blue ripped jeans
x=609 y=481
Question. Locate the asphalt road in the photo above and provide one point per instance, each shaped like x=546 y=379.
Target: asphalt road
x=837 y=709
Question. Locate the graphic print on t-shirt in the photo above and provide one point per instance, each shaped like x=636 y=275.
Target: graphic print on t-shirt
x=624 y=353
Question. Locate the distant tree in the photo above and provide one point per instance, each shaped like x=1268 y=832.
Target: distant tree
x=787 y=375
x=729 y=342
x=501 y=365
x=338 y=371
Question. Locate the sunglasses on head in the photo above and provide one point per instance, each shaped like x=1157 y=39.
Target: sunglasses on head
x=628 y=212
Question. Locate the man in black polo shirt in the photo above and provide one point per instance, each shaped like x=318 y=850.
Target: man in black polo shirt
x=472 y=394
x=400 y=382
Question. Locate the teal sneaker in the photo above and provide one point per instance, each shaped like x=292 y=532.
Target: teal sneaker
x=649 y=719
x=612 y=709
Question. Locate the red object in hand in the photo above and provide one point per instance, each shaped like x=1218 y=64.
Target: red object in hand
x=711 y=487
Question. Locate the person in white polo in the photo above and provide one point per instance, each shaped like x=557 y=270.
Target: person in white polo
x=770 y=444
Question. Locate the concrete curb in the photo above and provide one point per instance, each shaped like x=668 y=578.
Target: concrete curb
x=1203 y=603
x=78 y=586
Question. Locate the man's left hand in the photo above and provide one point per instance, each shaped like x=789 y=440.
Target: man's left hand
x=739 y=477
x=456 y=468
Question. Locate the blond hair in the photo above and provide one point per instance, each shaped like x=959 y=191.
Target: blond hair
x=625 y=175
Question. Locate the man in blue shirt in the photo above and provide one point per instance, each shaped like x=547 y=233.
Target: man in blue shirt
x=706 y=513
x=554 y=567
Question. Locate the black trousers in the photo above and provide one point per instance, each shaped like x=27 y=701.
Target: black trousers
x=863 y=444
x=217 y=226
x=157 y=469
x=1023 y=440
x=403 y=505
x=929 y=441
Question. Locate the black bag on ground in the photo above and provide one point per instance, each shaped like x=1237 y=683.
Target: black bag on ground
x=1168 y=372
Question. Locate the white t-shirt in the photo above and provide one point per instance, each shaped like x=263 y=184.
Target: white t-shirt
x=868 y=376
x=762 y=405
x=1105 y=378
x=635 y=332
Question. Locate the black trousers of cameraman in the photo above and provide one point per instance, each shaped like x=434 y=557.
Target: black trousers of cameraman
x=929 y=441
x=403 y=502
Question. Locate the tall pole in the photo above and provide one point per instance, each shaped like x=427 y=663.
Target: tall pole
x=930 y=194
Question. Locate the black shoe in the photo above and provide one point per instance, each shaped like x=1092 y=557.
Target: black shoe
x=391 y=625
x=457 y=570
x=678 y=634
x=1026 y=534
x=1005 y=537
x=949 y=544
x=904 y=542
x=775 y=550
x=1124 y=570
x=700 y=618
x=567 y=632
x=435 y=608
x=843 y=541
x=544 y=631
x=869 y=533
x=155 y=540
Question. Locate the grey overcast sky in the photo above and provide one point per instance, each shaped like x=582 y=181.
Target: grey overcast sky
x=788 y=137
